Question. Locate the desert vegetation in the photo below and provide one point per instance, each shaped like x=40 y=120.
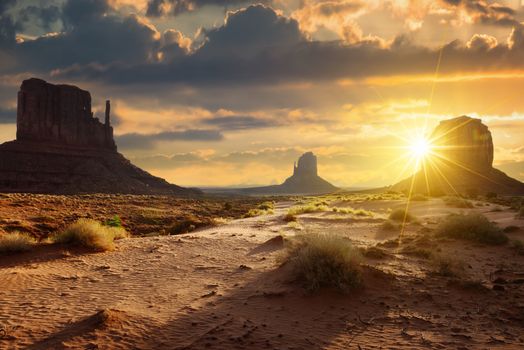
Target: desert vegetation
x=457 y=202
x=91 y=234
x=401 y=215
x=15 y=242
x=324 y=260
x=474 y=227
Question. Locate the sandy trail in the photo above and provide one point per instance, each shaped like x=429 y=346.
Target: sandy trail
x=221 y=288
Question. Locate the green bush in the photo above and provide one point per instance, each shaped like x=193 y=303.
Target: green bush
x=115 y=221
x=324 y=260
x=90 y=233
x=473 y=227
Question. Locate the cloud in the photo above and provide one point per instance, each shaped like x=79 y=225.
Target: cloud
x=7 y=115
x=480 y=11
x=8 y=27
x=148 y=141
x=43 y=17
x=157 y=8
x=238 y=122
x=250 y=31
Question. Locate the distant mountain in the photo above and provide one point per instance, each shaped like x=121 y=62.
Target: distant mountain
x=61 y=148
x=305 y=180
x=462 y=163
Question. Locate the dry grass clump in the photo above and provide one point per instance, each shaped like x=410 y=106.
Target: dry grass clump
x=447 y=266
x=324 y=260
x=15 y=242
x=473 y=227
x=90 y=233
x=389 y=225
x=457 y=202
x=353 y=211
x=417 y=197
x=401 y=215
x=289 y=218
x=308 y=208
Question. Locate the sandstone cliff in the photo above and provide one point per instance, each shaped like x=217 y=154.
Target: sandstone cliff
x=462 y=163
x=61 y=148
x=305 y=180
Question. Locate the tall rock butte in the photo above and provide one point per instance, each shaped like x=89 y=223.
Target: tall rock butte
x=61 y=148
x=462 y=163
x=305 y=180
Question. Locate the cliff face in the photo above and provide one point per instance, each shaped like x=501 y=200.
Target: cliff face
x=306 y=165
x=464 y=141
x=60 y=114
x=305 y=180
x=61 y=148
x=462 y=164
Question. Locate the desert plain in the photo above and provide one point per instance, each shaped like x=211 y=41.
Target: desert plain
x=226 y=283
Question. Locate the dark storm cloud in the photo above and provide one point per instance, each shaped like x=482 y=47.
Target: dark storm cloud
x=92 y=35
x=483 y=12
x=8 y=26
x=43 y=16
x=258 y=46
x=239 y=123
x=157 y=8
x=7 y=115
x=148 y=141
x=254 y=46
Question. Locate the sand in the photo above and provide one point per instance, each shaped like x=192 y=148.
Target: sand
x=223 y=288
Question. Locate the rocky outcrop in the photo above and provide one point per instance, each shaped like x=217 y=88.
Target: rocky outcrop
x=462 y=163
x=61 y=148
x=305 y=180
x=60 y=114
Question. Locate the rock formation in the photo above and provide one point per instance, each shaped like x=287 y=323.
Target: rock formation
x=305 y=180
x=61 y=148
x=462 y=163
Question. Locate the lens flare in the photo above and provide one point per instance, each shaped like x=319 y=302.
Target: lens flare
x=420 y=147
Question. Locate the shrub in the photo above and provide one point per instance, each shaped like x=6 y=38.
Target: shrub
x=266 y=206
x=289 y=217
x=324 y=260
x=417 y=197
x=457 y=202
x=389 y=225
x=401 y=215
x=90 y=233
x=447 y=267
x=473 y=227
x=15 y=242
x=115 y=221
x=304 y=209
x=257 y=212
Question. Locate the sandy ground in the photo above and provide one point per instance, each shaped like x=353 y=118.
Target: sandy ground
x=222 y=288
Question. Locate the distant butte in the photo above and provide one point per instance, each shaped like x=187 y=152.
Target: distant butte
x=305 y=180
x=61 y=148
x=462 y=164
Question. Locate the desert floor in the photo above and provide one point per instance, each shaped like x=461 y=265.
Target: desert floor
x=224 y=288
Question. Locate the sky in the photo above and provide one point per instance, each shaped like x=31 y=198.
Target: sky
x=232 y=92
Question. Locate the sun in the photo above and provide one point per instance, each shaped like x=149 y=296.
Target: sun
x=420 y=147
